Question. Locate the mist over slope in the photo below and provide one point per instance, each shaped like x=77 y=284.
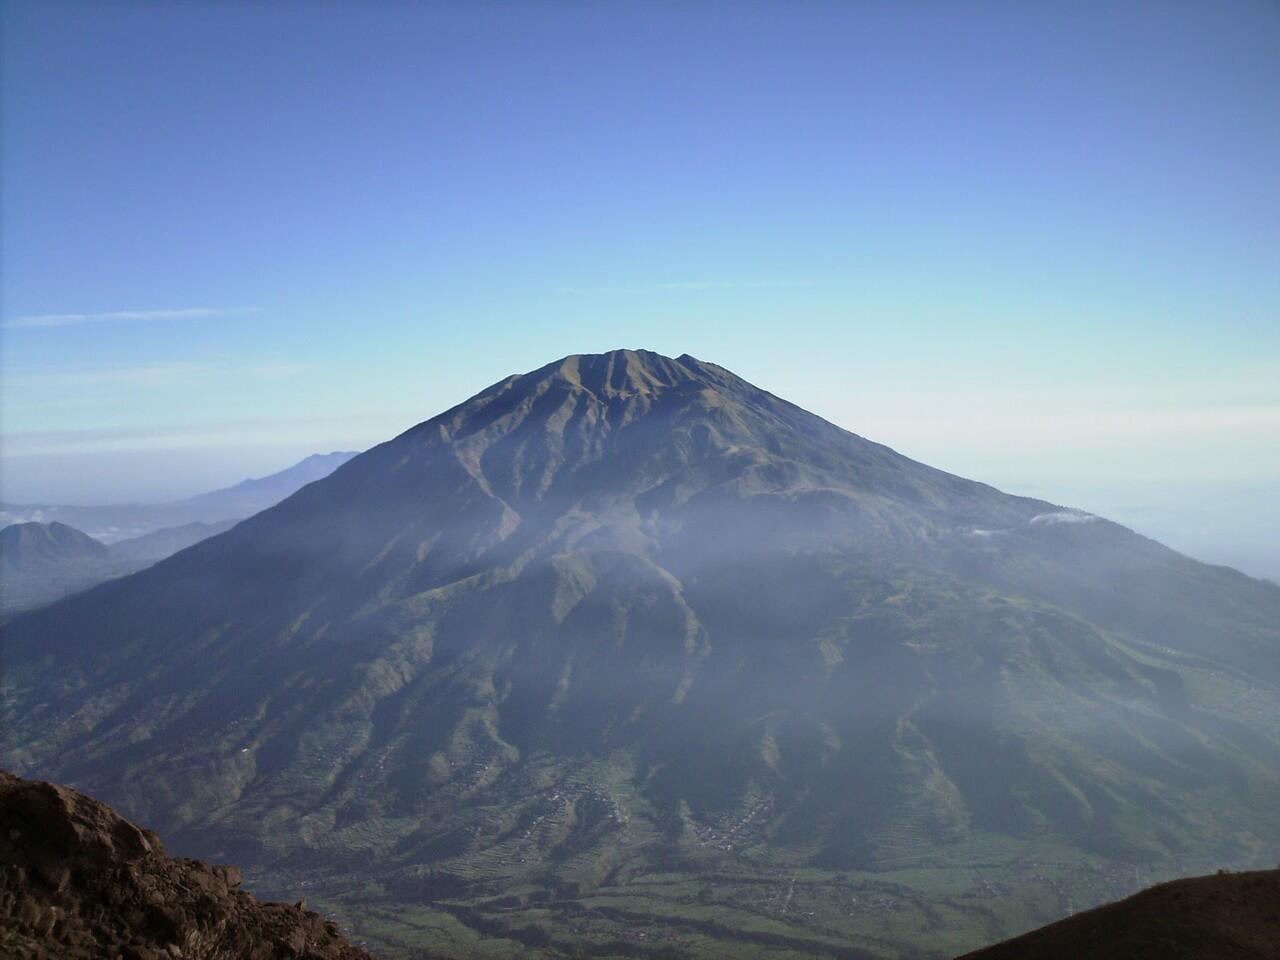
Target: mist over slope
x=627 y=644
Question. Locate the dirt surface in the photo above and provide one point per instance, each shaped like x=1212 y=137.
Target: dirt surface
x=77 y=880
x=1228 y=916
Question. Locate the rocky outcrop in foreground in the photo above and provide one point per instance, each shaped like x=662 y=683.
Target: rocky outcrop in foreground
x=1229 y=916
x=77 y=880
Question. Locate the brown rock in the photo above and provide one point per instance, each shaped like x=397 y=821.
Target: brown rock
x=78 y=881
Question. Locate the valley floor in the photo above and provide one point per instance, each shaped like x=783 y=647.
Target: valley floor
x=733 y=905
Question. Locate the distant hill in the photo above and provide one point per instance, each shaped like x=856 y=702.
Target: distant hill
x=79 y=882
x=628 y=654
x=51 y=559
x=159 y=544
x=251 y=496
x=27 y=546
x=1230 y=916
x=40 y=562
x=125 y=521
x=43 y=562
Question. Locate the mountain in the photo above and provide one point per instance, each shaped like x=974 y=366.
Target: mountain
x=40 y=562
x=27 y=546
x=628 y=655
x=79 y=881
x=113 y=523
x=1233 y=915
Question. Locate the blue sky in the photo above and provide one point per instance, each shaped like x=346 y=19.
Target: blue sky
x=1035 y=244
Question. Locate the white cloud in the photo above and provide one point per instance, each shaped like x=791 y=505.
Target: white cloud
x=1062 y=516
x=46 y=320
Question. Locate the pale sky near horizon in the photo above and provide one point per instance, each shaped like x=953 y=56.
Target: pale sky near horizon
x=1037 y=245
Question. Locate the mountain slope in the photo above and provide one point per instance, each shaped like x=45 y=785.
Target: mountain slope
x=632 y=634
x=1233 y=915
x=79 y=881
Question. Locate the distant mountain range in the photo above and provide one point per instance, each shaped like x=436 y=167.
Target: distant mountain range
x=627 y=655
x=44 y=559
x=114 y=522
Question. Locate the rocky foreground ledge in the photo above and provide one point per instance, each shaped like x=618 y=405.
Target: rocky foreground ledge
x=77 y=880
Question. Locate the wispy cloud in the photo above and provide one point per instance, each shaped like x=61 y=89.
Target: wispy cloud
x=146 y=375
x=171 y=374
x=45 y=320
x=279 y=371
x=682 y=285
x=339 y=432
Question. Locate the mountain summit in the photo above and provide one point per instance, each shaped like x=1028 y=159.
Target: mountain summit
x=627 y=645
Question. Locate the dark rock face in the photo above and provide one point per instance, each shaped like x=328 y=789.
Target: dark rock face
x=1234 y=915
x=78 y=880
